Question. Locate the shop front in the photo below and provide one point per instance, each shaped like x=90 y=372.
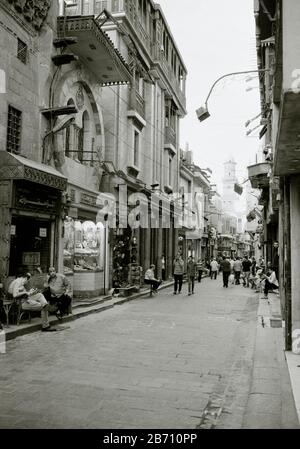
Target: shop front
x=85 y=242
x=31 y=203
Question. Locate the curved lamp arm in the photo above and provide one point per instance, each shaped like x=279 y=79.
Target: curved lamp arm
x=230 y=74
x=203 y=113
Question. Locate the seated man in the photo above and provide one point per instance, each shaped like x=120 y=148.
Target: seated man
x=31 y=299
x=58 y=289
x=149 y=278
x=271 y=281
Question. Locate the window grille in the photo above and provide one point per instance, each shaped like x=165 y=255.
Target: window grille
x=22 y=51
x=13 y=130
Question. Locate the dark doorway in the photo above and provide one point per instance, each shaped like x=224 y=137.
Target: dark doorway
x=30 y=245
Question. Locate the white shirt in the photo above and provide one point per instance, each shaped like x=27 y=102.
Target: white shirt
x=214 y=265
x=273 y=279
x=17 y=288
x=149 y=274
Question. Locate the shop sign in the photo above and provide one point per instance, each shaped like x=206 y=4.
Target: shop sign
x=31 y=258
x=13 y=230
x=73 y=212
x=43 y=232
x=88 y=199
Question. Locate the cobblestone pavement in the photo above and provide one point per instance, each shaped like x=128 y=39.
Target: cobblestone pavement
x=164 y=362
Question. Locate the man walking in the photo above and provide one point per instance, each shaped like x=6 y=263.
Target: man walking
x=214 y=269
x=191 y=274
x=178 y=267
x=200 y=266
x=225 y=267
x=237 y=268
x=246 y=265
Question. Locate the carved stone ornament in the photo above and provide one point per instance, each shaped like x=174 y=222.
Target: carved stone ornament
x=79 y=98
x=34 y=11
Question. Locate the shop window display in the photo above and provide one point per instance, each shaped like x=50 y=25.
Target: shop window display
x=121 y=259
x=87 y=247
x=84 y=246
x=126 y=272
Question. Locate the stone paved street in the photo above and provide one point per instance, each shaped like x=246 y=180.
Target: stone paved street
x=163 y=362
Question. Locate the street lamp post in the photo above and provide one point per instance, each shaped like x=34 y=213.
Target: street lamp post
x=202 y=112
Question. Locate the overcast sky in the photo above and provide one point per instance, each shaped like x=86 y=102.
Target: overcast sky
x=216 y=37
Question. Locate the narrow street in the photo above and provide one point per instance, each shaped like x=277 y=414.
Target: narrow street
x=163 y=362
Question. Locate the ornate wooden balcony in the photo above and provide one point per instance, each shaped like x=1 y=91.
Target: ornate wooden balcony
x=95 y=49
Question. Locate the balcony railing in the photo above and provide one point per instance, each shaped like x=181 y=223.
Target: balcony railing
x=137 y=103
x=95 y=7
x=137 y=22
x=158 y=57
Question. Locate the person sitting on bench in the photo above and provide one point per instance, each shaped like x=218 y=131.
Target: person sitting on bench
x=149 y=278
x=31 y=300
x=57 y=292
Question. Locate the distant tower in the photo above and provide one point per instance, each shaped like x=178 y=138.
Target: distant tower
x=230 y=197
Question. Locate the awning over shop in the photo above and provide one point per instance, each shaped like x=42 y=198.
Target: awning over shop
x=286 y=156
x=13 y=166
x=95 y=49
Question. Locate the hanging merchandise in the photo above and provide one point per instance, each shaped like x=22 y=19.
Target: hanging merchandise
x=121 y=259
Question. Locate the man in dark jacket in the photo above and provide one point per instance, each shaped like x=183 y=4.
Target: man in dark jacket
x=246 y=264
x=225 y=267
x=191 y=274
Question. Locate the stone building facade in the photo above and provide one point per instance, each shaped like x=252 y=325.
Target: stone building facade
x=52 y=143
x=89 y=140
x=31 y=193
x=141 y=127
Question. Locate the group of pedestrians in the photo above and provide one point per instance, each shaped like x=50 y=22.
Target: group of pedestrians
x=246 y=271
x=235 y=270
x=194 y=272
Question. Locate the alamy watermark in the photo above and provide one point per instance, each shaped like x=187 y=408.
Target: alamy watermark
x=2 y=82
x=138 y=210
x=2 y=342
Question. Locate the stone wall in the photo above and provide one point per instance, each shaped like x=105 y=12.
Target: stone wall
x=25 y=81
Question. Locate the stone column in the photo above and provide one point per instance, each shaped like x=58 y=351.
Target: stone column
x=159 y=252
x=169 y=255
x=147 y=241
x=295 y=261
x=175 y=241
